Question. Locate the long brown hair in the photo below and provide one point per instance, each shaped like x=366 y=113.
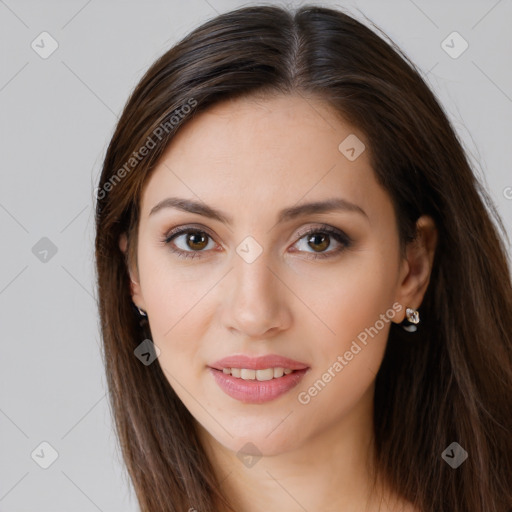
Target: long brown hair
x=450 y=382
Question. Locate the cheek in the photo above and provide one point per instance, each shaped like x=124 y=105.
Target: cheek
x=170 y=287
x=354 y=303
x=174 y=300
x=349 y=296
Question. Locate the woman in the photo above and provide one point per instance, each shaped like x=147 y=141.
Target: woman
x=305 y=303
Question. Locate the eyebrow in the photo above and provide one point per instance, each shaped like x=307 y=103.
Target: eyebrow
x=287 y=214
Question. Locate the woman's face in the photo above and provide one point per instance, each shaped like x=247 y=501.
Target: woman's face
x=249 y=282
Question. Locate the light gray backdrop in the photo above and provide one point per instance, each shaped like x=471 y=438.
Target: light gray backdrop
x=59 y=105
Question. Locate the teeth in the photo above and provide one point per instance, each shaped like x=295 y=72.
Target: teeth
x=278 y=372
x=247 y=374
x=267 y=374
x=261 y=375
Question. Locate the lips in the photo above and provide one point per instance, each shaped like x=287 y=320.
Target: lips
x=257 y=391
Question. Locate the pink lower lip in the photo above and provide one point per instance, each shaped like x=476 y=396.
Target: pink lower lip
x=255 y=391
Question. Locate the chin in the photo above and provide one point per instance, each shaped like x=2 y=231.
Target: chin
x=257 y=437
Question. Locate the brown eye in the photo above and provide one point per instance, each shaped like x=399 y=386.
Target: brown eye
x=320 y=240
x=191 y=243
x=197 y=240
x=188 y=243
x=316 y=241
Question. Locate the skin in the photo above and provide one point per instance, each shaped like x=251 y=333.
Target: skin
x=250 y=158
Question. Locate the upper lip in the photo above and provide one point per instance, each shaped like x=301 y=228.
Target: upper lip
x=258 y=363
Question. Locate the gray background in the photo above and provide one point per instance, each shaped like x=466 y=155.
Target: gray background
x=57 y=115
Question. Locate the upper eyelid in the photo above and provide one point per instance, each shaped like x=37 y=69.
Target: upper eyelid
x=178 y=230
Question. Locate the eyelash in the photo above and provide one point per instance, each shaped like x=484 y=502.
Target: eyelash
x=324 y=229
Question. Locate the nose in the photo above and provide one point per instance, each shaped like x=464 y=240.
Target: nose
x=256 y=300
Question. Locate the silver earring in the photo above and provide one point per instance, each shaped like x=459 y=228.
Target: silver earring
x=142 y=312
x=412 y=320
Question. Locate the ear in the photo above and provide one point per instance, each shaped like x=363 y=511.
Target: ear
x=416 y=267
x=135 y=289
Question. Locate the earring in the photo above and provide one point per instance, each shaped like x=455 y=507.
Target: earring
x=412 y=319
x=141 y=312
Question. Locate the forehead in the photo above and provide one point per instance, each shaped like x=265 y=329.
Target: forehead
x=252 y=153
